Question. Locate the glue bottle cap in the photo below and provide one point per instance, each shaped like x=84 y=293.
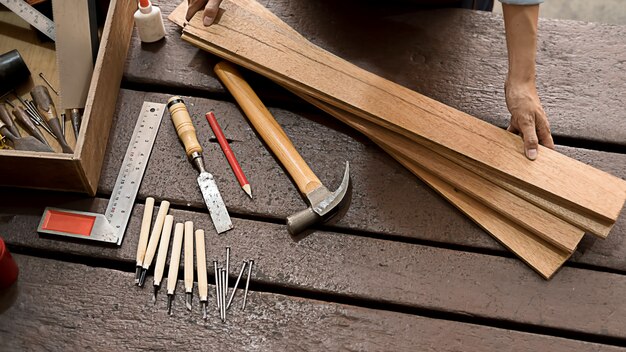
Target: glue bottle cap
x=8 y=267
x=144 y=3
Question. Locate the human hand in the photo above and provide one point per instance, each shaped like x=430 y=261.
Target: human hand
x=527 y=117
x=211 y=7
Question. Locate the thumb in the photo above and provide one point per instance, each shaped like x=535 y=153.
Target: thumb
x=531 y=142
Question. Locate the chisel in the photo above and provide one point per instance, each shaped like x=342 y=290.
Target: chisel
x=22 y=117
x=159 y=267
x=154 y=240
x=143 y=236
x=172 y=274
x=188 y=263
x=203 y=287
x=187 y=134
x=44 y=103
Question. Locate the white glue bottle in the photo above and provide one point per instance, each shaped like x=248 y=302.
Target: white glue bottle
x=149 y=22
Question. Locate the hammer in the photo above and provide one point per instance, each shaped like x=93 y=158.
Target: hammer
x=323 y=204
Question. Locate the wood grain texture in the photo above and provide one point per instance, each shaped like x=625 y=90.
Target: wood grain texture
x=387 y=200
x=544 y=257
x=437 y=125
x=454 y=56
x=113 y=314
x=411 y=275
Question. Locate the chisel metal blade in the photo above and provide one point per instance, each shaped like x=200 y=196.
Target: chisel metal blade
x=214 y=202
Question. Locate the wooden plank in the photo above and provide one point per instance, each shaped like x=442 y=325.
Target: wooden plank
x=417 y=276
x=543 y=257
x=82 y=319
x=423 y=51
x=367 y=88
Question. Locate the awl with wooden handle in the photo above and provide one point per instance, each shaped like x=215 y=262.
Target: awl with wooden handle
x=187 y=134
x=46 y=108
x=21 y=116
x=20 y=143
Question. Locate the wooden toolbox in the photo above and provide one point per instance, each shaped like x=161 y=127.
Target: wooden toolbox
x=80 y=172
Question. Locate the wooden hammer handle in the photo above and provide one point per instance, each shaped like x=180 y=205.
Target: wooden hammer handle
x=267 y=127
x=183 y=125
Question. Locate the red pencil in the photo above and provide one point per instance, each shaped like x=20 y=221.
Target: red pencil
x=230 y=156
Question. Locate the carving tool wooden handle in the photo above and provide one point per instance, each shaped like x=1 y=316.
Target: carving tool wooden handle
x=188 y=256
x=203 y=288
x=156 y=234
x=8 y=121
x=45 y=105
x=159 y=267
x=22 y=117
x=183 y=125
x=177 y=245
x=145 y=230
x=267 y=127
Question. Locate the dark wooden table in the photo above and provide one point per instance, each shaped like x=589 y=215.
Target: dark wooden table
x=401 y=269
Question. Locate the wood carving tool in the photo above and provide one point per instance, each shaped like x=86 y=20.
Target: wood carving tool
x=31 y=110
x=172 y=275
x=45 y=105
x=232 y=295
x=228 y=152
x=323 y=204
x=76 y=117
x=32 y=16
x=164 y=244
x=217 y=291
x=22 y=117
x=111 y=226
x=23 y=143
x=155 y=236
x=188 y=263
x=245 y=293
x=211 y=194
x=8 y=121
x=144 y=233
x=203 y=286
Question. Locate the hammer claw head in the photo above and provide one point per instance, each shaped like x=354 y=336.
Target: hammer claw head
x=323 y=205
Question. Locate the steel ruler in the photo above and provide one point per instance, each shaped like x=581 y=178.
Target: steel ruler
x=32 y=16
x=111 y=226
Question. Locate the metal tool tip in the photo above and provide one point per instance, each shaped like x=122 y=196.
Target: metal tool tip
x=204 y=307
x=188 y=295
x=137 y=274
x=142 y=278
x=169 y=304
x=154 y=297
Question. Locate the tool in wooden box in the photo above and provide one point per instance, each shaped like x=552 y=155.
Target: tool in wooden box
x=323 y=204
x=111 y=226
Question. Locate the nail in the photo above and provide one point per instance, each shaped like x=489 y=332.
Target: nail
x=208 y=20
x=532 y=154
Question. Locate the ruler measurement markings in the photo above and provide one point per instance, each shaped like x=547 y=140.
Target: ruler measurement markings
x=134 y=164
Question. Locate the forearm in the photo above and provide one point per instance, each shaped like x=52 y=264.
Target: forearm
x=520 y=22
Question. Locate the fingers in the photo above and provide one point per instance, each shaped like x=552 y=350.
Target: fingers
x=531 y=142
x=194 y=6
x=543 y=131
x=210 y=11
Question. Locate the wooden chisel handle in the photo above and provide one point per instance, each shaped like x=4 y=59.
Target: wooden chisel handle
x=145 y=230
x=8 y=121
x=159 y=267
x=183 y=125
x=156 y=234
x=203 y=288
x=177 y=246
x=267 y=127
x=188 y=256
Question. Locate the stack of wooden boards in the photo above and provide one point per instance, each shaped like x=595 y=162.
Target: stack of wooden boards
x=539 y=209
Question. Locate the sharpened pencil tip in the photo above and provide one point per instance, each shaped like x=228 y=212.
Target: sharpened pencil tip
x=248 y=190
